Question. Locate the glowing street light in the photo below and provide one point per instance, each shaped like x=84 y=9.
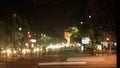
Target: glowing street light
x=20 y=28
x=89 y=16
x=81 y=22
x=28 y=32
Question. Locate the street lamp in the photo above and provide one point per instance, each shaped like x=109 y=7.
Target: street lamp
x=81 y=22
x=20 y=28
x=28 y=32
x=20 y=41
x=89 y=16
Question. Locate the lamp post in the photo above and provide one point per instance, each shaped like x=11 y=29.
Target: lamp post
x=14 y=30
x=20 y=38
x=90 y=22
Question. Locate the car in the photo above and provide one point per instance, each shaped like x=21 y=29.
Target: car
x=88 y=50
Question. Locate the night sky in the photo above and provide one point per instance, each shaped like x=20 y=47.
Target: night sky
x=45 y=14
x=55 y=15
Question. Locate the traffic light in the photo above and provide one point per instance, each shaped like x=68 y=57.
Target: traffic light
x=107 y=39
x=29 y=36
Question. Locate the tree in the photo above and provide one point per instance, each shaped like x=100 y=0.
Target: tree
x=44 y=39
x=4 y=34
x=75 y=32
x=104 y=12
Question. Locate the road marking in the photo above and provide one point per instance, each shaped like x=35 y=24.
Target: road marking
x=61 y=63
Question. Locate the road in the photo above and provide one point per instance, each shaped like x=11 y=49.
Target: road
x=74 y=62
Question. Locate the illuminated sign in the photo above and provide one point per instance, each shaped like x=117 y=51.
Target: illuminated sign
x=85 y=40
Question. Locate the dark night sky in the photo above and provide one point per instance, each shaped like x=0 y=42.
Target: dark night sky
x=54 y=15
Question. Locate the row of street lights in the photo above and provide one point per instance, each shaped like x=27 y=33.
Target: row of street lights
x=88 y=17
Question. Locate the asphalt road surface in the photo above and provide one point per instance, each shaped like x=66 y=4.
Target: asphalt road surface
x=74 y=62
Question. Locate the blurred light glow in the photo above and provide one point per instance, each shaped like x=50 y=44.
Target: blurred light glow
x=32 y=45
x=8 y=51
x=44 y=35
x=33 y=40
x=81 y=22
x=107 y=39
x=56 y=46
x=28 y=33
x=99 y=47
x=26 y=44
x=82 y=48
x=41 y=34
x=78 y=44
x=41 y=49
x=36 y=49
x=15 y=52
x=89 y=16
x=105 y=44
x=115 y=43
x=25 y=51
x=67 y=45
x=4 y=51
x=20 y=28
